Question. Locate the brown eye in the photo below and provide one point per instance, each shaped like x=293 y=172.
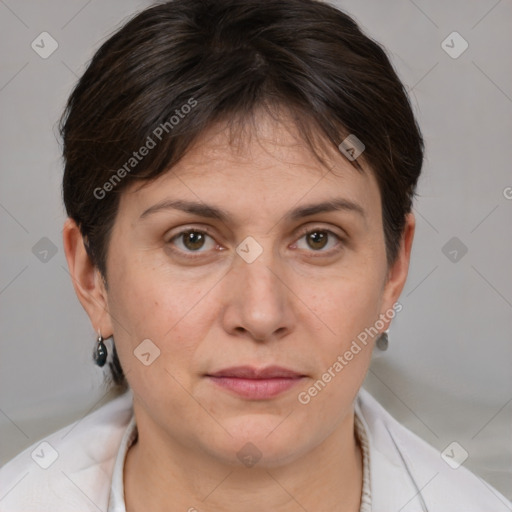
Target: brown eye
x=317 y=239
x=193 y=241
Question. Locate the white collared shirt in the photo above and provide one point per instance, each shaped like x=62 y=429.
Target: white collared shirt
x=80 y=468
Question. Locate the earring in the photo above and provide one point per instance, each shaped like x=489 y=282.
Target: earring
x=100 y=351
x=383 y=341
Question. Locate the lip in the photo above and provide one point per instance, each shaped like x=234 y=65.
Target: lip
x=256 y=383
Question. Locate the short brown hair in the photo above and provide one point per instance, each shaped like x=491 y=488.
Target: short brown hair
x=177 y=68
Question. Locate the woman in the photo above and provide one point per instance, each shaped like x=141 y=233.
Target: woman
x=239 y=178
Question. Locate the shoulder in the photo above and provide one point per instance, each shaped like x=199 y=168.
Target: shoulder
x=408 y=474
x=70 y=469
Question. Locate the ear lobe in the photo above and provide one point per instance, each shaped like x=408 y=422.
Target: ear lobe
x=397 y=274
x=87 y=280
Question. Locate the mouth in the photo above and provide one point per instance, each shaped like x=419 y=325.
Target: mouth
x=256 y=384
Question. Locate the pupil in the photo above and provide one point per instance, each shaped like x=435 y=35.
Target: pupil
x=317 y=237
x=194 y=240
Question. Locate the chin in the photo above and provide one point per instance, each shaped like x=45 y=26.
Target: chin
x=258 y=442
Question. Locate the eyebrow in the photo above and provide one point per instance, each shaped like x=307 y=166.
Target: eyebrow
x=214 y=212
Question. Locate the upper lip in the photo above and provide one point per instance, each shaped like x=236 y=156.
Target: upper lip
x=249 y=372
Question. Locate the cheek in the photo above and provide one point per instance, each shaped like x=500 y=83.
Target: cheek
x=347 y=305
x=142 y=298
x=145 y=303
x=343 y=352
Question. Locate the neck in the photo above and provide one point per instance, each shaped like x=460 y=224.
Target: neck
x=158 y=473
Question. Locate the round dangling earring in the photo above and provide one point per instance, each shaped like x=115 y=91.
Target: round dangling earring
x=100 y=351
x=383 y=341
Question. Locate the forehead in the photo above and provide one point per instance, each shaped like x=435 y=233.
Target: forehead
x=263 y=160
x=261 y=142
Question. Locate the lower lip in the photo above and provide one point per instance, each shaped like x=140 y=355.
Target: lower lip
x=256 y=389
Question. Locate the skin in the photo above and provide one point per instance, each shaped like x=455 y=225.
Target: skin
x=300 y=305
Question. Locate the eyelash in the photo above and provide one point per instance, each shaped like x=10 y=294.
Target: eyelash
x=304 y=233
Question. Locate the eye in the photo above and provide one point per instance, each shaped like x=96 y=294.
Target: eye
x=318 y=240
x=193 y=240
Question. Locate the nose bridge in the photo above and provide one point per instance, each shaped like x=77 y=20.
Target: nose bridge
x=258 y=267
x=258 y=300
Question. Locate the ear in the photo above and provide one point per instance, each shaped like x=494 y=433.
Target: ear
x=397 y=273
x=87 y=280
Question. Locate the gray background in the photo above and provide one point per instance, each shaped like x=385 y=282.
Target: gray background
x=447 y=374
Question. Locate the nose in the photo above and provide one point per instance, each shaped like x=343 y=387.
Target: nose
x=258 y=302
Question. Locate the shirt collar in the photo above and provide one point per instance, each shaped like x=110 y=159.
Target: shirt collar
x=116 y=501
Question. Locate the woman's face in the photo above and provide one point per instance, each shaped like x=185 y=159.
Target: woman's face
x=249 y=290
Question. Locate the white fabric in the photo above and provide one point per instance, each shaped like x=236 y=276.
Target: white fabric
x=406 y=474
x=362 y=437
x=116 y=502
